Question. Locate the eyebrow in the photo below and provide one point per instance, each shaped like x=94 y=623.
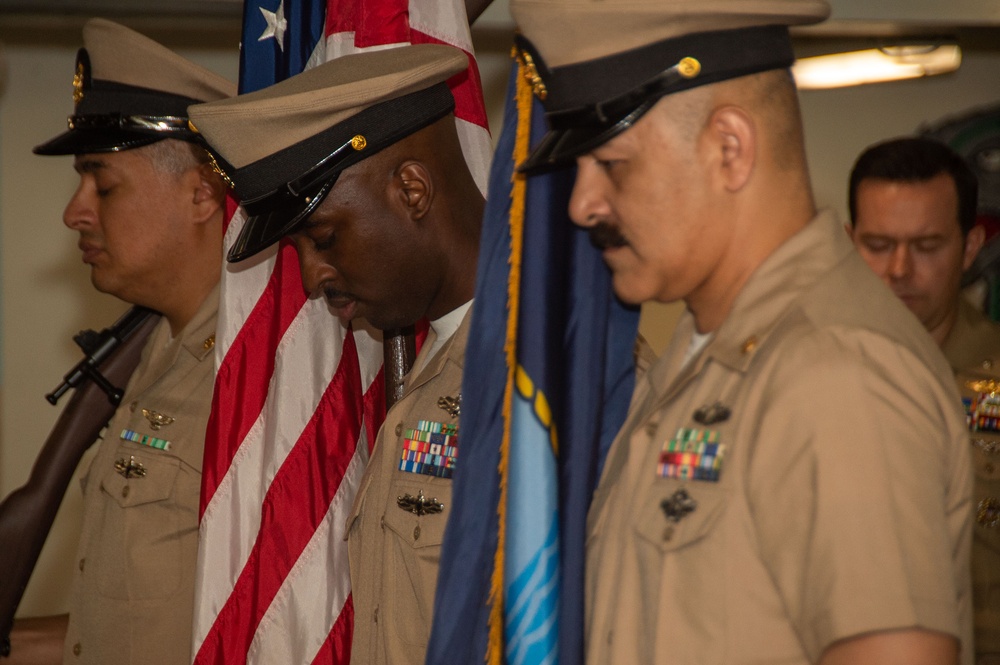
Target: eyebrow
x=882 y=236
x=89 y=165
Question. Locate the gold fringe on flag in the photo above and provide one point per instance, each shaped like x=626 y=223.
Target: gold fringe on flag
x=495 y=645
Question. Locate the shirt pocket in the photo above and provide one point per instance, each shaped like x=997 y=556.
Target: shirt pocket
x=681 y=554
x=986 y=493
x=413 y=555
x=138 y=552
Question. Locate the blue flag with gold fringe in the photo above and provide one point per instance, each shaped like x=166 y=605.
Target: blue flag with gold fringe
x=548 y=375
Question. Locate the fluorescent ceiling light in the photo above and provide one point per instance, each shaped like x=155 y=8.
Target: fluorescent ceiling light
x=875 y=65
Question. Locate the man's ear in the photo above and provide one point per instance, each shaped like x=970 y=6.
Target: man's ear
x=209 y=192
x=974 y=241
x=416 y=188
x=732 y=137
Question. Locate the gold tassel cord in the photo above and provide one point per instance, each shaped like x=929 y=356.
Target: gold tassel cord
x=495 y=646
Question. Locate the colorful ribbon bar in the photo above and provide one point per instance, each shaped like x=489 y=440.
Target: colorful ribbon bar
x=982 y=412
x=145 y=440
x=693 y=454
x=430 y=449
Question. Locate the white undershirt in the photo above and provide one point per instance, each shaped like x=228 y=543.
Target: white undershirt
x=697 y=343
x=443 y=329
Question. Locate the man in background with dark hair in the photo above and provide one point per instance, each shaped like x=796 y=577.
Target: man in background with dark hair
x=913 y=216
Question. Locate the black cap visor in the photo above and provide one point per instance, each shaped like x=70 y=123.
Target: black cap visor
x=269 y=223
x=114 y=132
x=110 y=116
x=77 y=143
x=589 y=103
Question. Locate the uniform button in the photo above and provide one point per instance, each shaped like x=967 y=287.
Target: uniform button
x=416 y=532
x=81 y=564
x=133 y=406
x=987 y=364
x=668 y=533
x=125 y=491
x=77 y=649
x=990 y=468
x=749 y=344
x=650 y=429
x=399 y=428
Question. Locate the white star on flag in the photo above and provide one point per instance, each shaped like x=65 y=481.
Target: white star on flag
x=276 y=25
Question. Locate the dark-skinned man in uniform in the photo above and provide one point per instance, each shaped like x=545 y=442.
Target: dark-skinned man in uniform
x=358 y=162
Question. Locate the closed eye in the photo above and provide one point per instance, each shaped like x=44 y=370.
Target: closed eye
x=324 y=243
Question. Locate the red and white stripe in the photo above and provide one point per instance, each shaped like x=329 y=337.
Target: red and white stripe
x=298 y=402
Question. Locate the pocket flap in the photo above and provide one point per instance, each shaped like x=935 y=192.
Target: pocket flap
x=418 y=511
x=156 y=483
x=679 y=513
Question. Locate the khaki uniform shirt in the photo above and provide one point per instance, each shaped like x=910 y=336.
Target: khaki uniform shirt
x=397 y=523
x=973 y=350
x=804 y=479
x=133 y=591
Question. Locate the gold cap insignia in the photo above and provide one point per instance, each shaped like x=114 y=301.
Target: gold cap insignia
x=157 y=419
x=419 y=504
x=689 y=67
x=78 y=83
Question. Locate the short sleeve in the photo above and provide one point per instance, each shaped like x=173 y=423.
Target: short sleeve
x=858 y=485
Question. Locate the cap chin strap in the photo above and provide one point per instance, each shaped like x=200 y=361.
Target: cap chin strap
x=165 y=123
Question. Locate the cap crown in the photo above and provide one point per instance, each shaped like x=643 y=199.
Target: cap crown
x=570 y=31
x=130 y=91
x=283 y=147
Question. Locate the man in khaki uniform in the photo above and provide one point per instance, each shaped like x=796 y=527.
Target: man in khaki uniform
x=149 y=212
x=913 y=216
x=358 y=162
x=791 y=484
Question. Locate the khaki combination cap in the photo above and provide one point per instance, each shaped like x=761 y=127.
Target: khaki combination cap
x=599 y=65
x=129 y=91
x=283 y=147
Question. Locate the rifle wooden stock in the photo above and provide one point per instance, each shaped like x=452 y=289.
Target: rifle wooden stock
x=26 y=515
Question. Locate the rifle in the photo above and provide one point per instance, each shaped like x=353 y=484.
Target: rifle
x=26 y=515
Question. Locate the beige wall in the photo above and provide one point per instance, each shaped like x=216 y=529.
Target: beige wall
x=45 y=290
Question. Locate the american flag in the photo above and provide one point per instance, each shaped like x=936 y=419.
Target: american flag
x=298 y=398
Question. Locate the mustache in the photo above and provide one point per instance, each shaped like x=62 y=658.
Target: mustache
x=606 y=236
